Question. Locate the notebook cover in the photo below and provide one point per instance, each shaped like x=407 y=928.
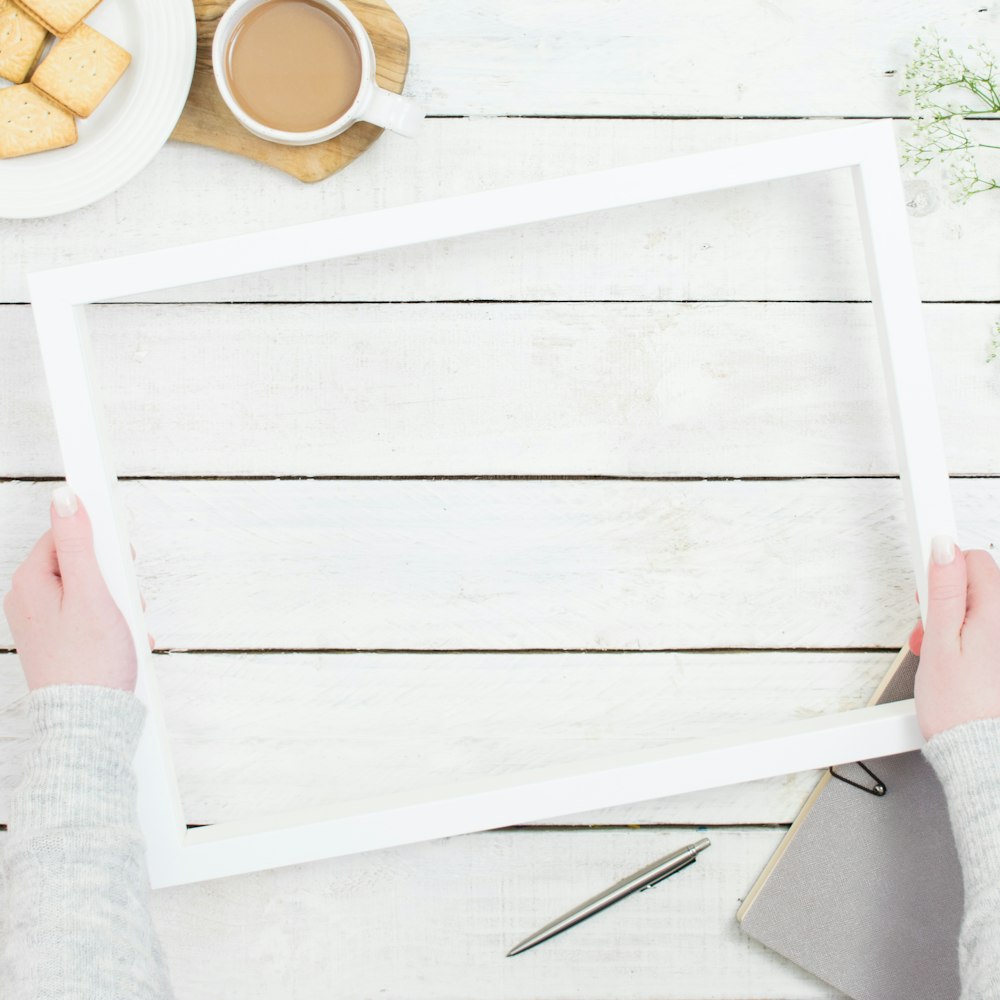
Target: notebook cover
x=865 y=891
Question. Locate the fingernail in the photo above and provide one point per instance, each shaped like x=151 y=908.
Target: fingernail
x=65 y=501
x=942 y=550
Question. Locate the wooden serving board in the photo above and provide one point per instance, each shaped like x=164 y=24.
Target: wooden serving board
x=206 y=121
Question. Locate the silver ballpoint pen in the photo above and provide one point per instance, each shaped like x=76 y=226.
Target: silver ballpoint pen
x=649 y=876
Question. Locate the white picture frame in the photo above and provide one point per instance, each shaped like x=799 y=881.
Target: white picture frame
x=177 y=855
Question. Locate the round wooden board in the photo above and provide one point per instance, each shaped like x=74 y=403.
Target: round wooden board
x=206 y=121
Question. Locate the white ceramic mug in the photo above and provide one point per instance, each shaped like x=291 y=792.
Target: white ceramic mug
x=372 y=103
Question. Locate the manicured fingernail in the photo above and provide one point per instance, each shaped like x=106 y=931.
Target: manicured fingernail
x=65 y=501
x=942 y=550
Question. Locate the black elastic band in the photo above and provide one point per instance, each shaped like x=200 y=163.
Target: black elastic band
x=877 y=789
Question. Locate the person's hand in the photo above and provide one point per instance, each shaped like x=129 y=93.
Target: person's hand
x=66 y=626
x=958 y=678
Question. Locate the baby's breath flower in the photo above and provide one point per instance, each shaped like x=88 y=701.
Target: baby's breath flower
x=949 y=89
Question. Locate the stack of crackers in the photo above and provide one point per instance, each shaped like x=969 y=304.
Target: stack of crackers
x=73 y=78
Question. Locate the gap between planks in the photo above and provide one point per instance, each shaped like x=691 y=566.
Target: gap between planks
x=501 y=477
x=553 y=650
x=589 y=827
x=506 y=302
x=707 y=118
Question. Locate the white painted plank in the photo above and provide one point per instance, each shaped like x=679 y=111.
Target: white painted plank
x=649 y=58
x=266 y=733
x=435 y=920
x=635 y=389
x=500 y=564
x=795 y=239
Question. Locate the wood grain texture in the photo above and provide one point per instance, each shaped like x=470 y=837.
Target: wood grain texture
x=633 y=389
x=796 y=239
x=644 y=57
x=262 y=733
x=433 y=922
x=518 y=565
x=207 y=121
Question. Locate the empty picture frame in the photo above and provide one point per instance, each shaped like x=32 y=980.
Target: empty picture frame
x=177 y=855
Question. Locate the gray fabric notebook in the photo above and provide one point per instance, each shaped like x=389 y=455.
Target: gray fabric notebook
x=865 y=891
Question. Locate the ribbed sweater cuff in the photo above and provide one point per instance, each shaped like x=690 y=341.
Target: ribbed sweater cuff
x=78 y=771
x=966 y=759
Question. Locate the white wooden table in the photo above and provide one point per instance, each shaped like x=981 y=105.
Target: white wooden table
x=517 y=498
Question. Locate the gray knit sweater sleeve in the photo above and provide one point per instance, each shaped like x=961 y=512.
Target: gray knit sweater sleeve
x=966 y=759
x=76 y=919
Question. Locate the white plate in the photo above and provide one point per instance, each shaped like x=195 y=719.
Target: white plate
x=131 y=124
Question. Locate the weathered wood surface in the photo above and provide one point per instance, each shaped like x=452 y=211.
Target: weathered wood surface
x=265 y=733
x=434 y=921
x=515 y=565
x=624 y=389
x=644 y=57
x=794 y=239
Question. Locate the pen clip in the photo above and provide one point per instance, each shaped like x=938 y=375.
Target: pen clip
x=679 y=868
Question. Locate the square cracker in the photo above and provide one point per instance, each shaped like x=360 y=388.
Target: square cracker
x=21 y=41
x=59 y=16
x=80 y=70
x=30 y=122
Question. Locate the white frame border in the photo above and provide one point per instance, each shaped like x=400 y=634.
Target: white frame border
x=176 y=855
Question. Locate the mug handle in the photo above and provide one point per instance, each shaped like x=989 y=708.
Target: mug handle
x=393 y=112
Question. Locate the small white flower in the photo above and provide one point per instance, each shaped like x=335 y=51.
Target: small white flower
x=948 y=90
